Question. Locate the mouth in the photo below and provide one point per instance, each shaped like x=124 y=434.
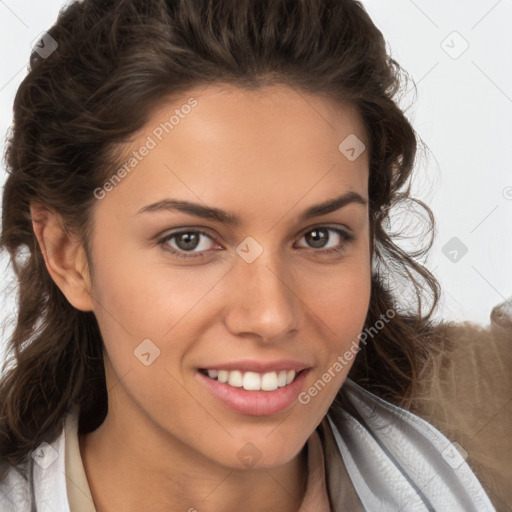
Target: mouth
x=254 y=393
x=252 y=381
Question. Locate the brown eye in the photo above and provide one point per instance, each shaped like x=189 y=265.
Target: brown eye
x=186 y=242
x=319 y=237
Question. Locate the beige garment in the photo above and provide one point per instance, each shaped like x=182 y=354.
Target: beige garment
x=316 y=498
x=80 y=499
x=77 y=486
x=343 y=496
x=467 y=395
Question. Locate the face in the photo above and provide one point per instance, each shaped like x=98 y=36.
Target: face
x=248 y=281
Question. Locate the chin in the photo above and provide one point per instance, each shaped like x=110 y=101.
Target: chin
x=246 y=454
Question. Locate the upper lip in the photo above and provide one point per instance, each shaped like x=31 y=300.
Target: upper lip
x=249 y=365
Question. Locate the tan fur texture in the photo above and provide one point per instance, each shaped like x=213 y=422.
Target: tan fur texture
x=466 y=392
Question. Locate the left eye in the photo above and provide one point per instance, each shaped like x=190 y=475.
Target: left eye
x=183 y=242
x=317 y=236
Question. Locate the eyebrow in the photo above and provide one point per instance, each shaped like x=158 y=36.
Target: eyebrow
x=218 y=215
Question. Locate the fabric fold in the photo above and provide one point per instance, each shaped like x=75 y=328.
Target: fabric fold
x=397 y=461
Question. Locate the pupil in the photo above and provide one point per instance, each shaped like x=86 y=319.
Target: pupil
x=191 y=240
x=317 y=237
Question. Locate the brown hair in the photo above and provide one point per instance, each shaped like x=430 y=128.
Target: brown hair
x=115 y=60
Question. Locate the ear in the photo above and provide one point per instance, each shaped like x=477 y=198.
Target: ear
x=64 y=256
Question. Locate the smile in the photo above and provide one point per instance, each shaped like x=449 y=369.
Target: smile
x=252 y=381
x=252 y=393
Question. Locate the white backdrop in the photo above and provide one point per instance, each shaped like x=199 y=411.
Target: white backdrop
x=459 y=55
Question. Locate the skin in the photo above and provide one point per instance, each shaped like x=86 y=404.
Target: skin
x=266 y=156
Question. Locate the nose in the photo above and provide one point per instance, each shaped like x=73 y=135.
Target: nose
x=263 y=303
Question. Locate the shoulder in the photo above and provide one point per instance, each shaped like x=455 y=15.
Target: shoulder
x=40 y=481
x=396 y=458
x=15 y=494
x=466 y=392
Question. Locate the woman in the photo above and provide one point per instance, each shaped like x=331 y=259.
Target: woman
x=209 y=315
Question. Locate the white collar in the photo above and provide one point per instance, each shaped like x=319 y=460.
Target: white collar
x=398 y=461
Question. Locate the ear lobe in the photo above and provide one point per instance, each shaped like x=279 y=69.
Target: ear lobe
x=64 y=256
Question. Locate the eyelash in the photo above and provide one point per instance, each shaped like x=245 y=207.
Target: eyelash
x=347 y=238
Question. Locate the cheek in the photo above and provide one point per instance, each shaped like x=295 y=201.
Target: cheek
x=340 y=297
x=144 y=298
x=339 y=302
x=343 y=312
x=146 y=309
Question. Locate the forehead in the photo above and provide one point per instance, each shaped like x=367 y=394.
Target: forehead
x=265 y=118
x=247 y=147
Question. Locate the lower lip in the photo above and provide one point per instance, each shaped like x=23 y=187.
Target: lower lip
x=256 y=403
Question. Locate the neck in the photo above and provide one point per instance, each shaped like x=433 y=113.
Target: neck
x=129 y=471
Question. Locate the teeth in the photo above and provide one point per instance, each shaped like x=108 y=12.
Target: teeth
x=269 y=381
x=252 y=381
x=235 y=379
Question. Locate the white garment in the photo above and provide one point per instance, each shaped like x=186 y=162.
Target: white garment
x=396 y=461
x=399 y=462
